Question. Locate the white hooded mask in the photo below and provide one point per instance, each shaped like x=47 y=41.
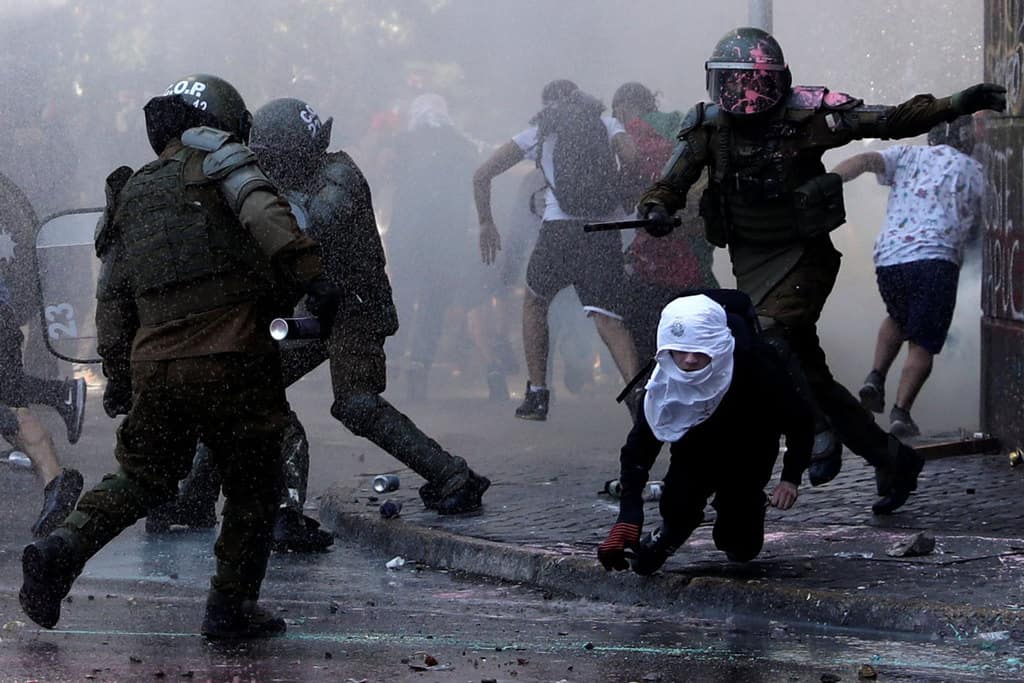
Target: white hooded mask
x=677 y=400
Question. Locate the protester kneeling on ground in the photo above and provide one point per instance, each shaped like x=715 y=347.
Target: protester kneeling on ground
x=721 y=398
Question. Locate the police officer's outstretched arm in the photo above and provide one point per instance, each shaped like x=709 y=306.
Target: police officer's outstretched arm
x=921 y=113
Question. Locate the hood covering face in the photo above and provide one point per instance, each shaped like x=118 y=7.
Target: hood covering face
x=677 y=400
x=428 y=111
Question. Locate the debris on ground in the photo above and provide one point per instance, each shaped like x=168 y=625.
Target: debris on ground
x=395 y=563
x=921 y=543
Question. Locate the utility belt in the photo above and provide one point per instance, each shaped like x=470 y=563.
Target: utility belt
x=813 y=209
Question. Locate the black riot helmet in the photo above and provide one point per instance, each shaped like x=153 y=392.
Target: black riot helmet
x=747 y=72
x=196 y=100
x=289 y=139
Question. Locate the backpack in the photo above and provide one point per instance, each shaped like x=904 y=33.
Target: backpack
x=586 y=172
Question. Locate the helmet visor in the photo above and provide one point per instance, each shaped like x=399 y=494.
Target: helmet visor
x=748 y=90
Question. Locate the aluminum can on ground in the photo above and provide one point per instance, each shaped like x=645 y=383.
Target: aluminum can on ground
x=385 y=483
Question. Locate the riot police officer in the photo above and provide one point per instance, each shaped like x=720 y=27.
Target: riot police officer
x=199 y=253
x=771 y=203
x=332 y=202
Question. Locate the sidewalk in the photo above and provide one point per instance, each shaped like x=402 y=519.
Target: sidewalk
x=824 y=561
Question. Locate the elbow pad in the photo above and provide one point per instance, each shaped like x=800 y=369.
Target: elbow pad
x=231 y=163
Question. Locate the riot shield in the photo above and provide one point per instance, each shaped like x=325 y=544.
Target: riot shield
x=18 y=226
x=68 y=270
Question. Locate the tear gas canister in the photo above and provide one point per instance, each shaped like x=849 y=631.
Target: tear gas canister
x=385 y=483
x=294 y=328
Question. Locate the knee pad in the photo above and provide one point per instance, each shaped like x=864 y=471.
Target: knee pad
x=357 y=412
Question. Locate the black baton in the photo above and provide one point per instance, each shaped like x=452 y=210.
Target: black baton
x=632 y=224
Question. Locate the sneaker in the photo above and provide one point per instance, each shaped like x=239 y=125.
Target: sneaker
x=872 y=393
x=654 y=549
x=229 y=618
x=48 y=570
x=497 y=386
x=296 y=533
x=73 y=408
x=59 y=498
x=534 y=405
x=901 y=425
x=467 y=498
x=160 y=519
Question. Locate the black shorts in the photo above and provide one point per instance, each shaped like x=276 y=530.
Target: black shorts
x=920 y=297
x=591 y=262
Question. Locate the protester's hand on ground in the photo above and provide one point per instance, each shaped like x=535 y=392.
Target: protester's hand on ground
x=490 y=241
x=784 y=495
x=612 y=552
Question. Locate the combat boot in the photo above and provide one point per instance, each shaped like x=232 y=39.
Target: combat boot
x=901 y=480
x=48 y=569
x=466 y=498
x=296 y=533
x=231 y=618
x=654 y=549
x=59 y=498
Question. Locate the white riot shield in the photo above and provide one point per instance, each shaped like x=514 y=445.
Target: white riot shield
x=68 y=271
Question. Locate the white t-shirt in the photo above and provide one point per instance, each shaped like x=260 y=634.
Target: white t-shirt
x=527 y=141
x=934 y=204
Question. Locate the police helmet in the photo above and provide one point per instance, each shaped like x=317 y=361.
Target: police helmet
x=196 y=100
x=747 y=73
x=289 y=139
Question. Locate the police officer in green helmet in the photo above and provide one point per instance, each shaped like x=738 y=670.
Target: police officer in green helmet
x=771 y=203
x=199 y=253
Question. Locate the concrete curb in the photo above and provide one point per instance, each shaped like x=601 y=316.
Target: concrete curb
x=707 y=597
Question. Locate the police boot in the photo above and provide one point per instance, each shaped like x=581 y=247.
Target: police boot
x=826 y=457
x=232 y=618
x=466 y=498
x=905 y=465
x=296 y=533
x=48 y=569
x=59 y=498
x=654 y=549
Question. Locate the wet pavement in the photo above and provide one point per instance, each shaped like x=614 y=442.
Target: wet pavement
x=147 y=592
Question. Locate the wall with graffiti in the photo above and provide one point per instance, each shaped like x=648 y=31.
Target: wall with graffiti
x=1002 y=152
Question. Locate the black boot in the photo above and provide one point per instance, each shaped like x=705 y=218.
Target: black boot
x=48 y=569
x=654 y=549
x=296 y=533
x=466 y=498
x=534 y=405
x=196 y=504
x=59 y=498
x=906 y=464
x=231 y=618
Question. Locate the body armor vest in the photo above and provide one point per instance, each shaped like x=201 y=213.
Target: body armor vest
x=185 y=251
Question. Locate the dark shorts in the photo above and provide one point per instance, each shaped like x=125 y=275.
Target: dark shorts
x=920 y=297
x=591 y=262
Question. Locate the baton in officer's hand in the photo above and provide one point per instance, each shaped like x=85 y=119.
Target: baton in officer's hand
x=634 y=224
x=294 y=329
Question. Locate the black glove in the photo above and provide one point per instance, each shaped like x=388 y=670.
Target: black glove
x=322 y=300
x=659 y=216
x=978 y=97
x=117 y=398
x=612 y=552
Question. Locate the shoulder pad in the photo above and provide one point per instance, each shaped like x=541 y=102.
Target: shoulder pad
x=340 y=169
x=815 y=97
x=696 y=117
x=205 y=139
x=225 y=160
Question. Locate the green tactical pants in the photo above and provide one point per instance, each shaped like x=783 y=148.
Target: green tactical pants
x=237 y=405
x=794 y=305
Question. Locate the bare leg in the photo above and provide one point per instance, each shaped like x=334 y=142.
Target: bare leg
x=915 y=371
x=535 y=338
x=890 y=339
x=620 y=344
x=37 y=444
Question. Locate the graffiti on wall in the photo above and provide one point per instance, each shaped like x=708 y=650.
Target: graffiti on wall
x=1002 y=255
x=1004 y=49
